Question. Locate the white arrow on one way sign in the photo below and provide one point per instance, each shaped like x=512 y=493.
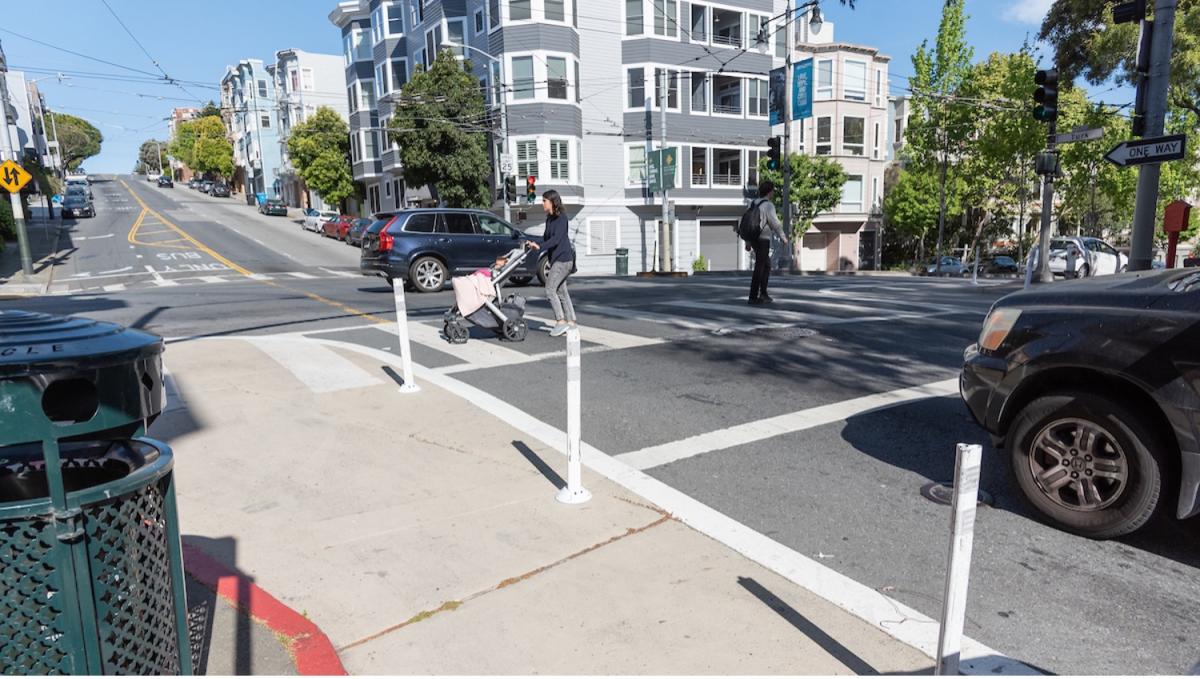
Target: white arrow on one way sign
x=1153 y=150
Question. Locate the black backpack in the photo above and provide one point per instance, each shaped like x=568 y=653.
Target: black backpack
x=749 y=227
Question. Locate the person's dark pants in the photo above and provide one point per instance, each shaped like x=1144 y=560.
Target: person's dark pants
x=762 y=269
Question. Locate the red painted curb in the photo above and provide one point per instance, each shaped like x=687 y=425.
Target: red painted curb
x=312 y=650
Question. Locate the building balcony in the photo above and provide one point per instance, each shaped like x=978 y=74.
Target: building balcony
x=727 y=180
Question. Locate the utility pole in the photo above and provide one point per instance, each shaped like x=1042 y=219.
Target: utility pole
x=60 y=166
x=787 y=135
x=14 y=198
x=1046 y=97
x=158 y=157
x=664 y=239
x=1142 y=247
x=502 y=89
x=1023 y=188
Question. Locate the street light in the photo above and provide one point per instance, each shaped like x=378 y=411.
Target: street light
x=815 y=20
x=503 y=111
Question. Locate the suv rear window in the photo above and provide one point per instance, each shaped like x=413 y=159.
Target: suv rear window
x=378 y=225
x=421 y=222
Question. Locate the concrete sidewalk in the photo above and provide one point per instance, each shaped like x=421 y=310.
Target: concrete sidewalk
x=43 y=248
x=422 y=536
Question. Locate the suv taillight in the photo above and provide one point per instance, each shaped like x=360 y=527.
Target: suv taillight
x=385 y=241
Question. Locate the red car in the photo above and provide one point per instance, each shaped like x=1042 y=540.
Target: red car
x=337 y=227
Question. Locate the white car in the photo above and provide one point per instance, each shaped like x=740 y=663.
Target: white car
x=1083 y=256
x=313 y=219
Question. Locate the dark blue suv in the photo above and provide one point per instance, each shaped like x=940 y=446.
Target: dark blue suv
x=425 y=247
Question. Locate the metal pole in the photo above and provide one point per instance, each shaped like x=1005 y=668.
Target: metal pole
x=574 y=493
x=504 y=135
x=410 y=385
x=1023 y=186
x=937 y=256
x=14 y=198
x=666 y=249
x=787 y=135
x=158 y=157
x=1044 y=274
x=1141 y=250
x=58 y=166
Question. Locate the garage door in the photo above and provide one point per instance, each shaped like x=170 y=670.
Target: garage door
x=719 y=244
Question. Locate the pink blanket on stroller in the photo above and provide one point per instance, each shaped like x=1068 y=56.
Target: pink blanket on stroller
x=470 y=292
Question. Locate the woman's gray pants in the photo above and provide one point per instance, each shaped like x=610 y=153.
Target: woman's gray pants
x=556 y=291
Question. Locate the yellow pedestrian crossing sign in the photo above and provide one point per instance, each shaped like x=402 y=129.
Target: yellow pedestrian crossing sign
x=13 y=177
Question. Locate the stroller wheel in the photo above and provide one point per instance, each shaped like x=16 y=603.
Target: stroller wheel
x=456 y=333
x=515 y=330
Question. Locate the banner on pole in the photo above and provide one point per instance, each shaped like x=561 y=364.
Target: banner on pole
x=802 y=94
x=660 y=169
x=778 y=96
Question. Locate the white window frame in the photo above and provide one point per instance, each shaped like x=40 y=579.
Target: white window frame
x=764 y=20
x=480 y=19
x=308 y=80
x=876 y=141
x=861 y=148
x=366 y=88
x=517 y=163
x=352 y=95
x=416 y=16
x=506 y=12
x=383 y=80
x=707 y=167
x=846 y=90
x=875 y=201
x=879 y=82
x=387 y=25
x=712 y=17
x=264 y=121
x=707 y=24
x=512 y=71
x=668 y=24
x=708 y=104
x=647 y=76
x=377 y=26
x=557 y=164
x=765 y=85
x=678 y=107
x=392 y=72
x=355 y=148
x=461 y=21
x=594 y=222
x=541 y=76
x=625 y=21
x=567 y=12
x=824 y=92
x=741 y=165
x=848 y=207
x=712 y=98
x=817 y=143
x=629 y=181
x=494 y=22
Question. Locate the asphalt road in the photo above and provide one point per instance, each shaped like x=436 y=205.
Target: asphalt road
x=684 y=357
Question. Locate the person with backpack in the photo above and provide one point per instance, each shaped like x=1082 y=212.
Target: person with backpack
x=758 y=239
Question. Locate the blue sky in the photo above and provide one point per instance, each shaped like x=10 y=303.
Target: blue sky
x=195 y=41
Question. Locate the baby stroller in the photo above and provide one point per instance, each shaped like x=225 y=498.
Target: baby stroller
x=506 y=318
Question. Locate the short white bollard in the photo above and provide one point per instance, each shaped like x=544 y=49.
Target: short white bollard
x=1029 y=271
x=574 y=493
x=967 y=464
x=975 y=269
x=410 y=385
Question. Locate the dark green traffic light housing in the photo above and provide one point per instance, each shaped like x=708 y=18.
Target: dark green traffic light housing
x=1046 y=95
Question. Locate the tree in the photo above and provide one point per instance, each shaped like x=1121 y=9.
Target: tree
x=78 y=139
x=438 y=125
x=152 y=157
x=201 y=145
x=320 y=149
x=912 y=207
x=183 y=146
x=210 y=109
x=816 y=187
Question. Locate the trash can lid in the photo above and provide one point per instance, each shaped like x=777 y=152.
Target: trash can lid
x=34 y=343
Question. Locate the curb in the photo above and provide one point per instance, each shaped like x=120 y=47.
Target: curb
x=313 y=652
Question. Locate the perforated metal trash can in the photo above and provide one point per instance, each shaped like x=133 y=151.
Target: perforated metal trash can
x=91 y=573
x=622 y=261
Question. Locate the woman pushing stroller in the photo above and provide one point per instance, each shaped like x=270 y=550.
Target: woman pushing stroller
x=561 y=255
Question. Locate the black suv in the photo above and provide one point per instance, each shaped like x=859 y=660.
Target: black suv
x=1094 y=386
x=425 y=247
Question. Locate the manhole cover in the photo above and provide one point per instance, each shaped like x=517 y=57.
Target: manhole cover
x=943 y=494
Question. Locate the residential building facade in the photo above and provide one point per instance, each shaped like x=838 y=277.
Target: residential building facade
x=26 y=137
x=248 y=97
x=850 y=124
x=303 y=82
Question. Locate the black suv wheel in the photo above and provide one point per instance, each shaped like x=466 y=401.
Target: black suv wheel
x=1090 y=464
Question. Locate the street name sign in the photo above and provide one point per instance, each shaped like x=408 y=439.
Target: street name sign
x=13 y=177
x=1144 y=151
x=1085 y=134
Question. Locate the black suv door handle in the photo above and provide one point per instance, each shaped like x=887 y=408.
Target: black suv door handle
x=443 y=240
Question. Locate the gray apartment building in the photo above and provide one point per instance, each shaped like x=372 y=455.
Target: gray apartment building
x=303 y=82
x=582 y=82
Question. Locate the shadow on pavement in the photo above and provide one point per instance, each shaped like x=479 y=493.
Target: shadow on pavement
x=830 y=645
x=540 y=464
x=234 y=648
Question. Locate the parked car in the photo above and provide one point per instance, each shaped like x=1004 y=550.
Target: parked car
x=81 y=184
x=1000 y=264
x=1081 y=256
x=152 y=176
x=949 y=266
x=313 y=219
x=206 y=185
x=78 y=204
x=219 y=191
x=425 y=247
x=166 y=182
x=273 y=207
x=337 y=227
x=354 y=235
x=1089 y=384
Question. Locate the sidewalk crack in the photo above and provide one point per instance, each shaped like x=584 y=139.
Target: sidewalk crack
x=454 y=604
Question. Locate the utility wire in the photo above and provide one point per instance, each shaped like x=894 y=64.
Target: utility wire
x=142 y=47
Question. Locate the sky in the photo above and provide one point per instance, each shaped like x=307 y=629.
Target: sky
x=195 y=42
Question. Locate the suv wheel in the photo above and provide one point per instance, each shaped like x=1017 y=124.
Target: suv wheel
x=427 y=274
x=543 y=270
x=1090 y=464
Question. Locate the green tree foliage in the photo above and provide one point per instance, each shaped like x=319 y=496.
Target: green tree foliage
x=152 y=156
x=320 y=149
x=911 y=208
x=8 y=225
x=940 y=125
x=78 y=139
x=816 y=187
x=437 y=124
x=201 y=145
x=210 y=109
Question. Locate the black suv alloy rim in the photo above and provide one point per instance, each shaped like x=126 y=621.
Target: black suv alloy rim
x=1078 y=465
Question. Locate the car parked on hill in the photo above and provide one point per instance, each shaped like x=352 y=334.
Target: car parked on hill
x=425 y=247
x=206 y=185
x=354 y=235
x=78 y=204
x=1090 y=385
x=273 y=207
x=165 y=182
x=336 y=227
x=1000 y=264
x=80 y=184
x=219 y=190
x=313 y=219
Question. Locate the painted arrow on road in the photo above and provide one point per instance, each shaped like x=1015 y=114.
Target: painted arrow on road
x=1154 y=150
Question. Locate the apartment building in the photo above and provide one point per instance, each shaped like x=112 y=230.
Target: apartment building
x=248 y=103
x=583 y=82
x=850 y=123
x=303 y=82
x=26 y=136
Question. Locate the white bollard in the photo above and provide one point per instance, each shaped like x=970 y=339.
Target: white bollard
x=410 y=385
x=1029 y=270
x=967 y=464
x=975 y=269
x=574 y=493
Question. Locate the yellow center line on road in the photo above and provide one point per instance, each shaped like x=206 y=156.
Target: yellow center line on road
x=146 y=209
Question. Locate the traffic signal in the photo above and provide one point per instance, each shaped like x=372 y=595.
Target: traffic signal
x=1129 y=12
x=510 y=189
x=531 y=189
x=1046 y=95
x=773 y=145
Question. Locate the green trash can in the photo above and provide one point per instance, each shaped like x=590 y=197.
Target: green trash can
x=90 y=557
x=622 y=261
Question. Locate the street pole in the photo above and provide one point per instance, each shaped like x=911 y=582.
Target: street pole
x=937 y=255
x=665 y=245
x=1141 y=252
x=158 y=157
x=14 y=198
x=58 y=166
x=1048 y=170
x=503 y=90
x=1023 y=187
x=787 y=135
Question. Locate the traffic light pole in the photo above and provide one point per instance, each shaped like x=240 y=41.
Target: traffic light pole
x=664 y=240
x=1044 y=274
x=1141 y=252
x=787 y=138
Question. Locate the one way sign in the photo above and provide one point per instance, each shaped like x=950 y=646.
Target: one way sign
x=1143 y=151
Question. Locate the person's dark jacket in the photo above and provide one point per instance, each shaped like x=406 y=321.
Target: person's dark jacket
x=557 y=241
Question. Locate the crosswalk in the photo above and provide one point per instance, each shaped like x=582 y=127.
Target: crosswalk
x=85 y=283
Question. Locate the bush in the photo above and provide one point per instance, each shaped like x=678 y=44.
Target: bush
x=701 y=264
x=8 y=225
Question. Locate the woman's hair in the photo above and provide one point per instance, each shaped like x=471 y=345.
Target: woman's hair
x=556 y=207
